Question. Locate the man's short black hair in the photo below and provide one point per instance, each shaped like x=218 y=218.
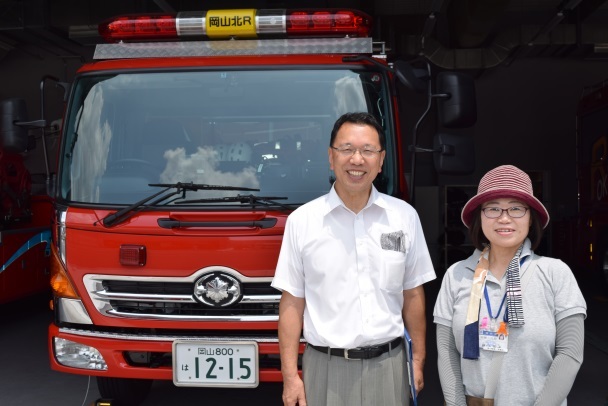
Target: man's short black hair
x=360 y=118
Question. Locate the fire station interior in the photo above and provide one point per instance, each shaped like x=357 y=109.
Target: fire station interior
x=531 y=61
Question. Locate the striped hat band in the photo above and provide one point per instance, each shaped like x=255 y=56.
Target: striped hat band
x=505 y=181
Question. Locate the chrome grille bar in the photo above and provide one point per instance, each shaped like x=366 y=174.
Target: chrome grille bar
x=143 y=297
x=180 y=317
x=169 y=298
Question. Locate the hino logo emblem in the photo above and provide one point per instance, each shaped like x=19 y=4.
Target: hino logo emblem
x=217 y=289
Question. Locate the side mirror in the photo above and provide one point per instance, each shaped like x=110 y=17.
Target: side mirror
x=13 y=137
x=453 y=154
x=457 y=102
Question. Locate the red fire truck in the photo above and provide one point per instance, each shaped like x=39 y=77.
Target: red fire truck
x=185 y=145
x=591 y=249
x=25 y=211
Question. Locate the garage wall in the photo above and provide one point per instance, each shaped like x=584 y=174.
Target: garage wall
x=527 y=117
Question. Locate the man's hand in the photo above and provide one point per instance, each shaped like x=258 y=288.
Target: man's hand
x=291 y=310
x=414 y=319
x=418 y=375
x=293 y=392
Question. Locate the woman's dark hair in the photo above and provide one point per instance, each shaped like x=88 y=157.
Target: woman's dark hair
x=479 y=240
x=360 y=118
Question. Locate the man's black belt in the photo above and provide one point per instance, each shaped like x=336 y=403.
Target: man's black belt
x=372 y=351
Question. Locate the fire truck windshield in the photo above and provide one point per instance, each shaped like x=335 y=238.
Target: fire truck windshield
x=258 y=129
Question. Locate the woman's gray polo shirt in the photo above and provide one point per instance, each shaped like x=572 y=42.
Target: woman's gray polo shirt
x=550 y=294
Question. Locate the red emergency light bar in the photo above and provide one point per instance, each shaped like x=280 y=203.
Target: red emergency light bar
x=238 y=24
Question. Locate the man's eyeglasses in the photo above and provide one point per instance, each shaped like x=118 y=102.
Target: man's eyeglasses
x=513 y=212
x=365 y=153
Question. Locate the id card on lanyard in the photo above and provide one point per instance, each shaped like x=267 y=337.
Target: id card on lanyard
x=493 y=334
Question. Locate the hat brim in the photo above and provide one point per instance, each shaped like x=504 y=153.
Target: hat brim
x=475 y=201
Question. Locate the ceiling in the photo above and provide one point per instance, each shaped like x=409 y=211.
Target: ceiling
x=452 y=34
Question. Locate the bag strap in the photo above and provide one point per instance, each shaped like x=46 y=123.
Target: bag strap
x=495 y=364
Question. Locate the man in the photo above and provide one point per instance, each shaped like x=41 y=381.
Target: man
x=351 y=270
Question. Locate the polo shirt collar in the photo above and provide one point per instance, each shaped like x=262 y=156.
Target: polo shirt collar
x=471 y=262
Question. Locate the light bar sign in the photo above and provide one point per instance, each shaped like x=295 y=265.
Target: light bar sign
x=229 y=23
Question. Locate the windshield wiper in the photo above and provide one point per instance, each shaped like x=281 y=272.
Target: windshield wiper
x=251 y=200
x=180 y=188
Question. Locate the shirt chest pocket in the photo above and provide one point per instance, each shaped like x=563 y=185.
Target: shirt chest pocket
x=392 y=271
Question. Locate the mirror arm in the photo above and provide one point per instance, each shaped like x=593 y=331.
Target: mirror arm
x=442 y=149
x=441 y=96
x=44 y=148
x=415 y=133
x=30 y=124
x=415 y=148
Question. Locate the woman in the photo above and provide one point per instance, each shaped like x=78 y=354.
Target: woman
x=510 y=323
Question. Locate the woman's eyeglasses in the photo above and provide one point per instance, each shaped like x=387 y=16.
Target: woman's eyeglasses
x=513 y=212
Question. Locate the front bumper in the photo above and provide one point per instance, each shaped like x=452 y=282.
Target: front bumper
x=150 y=356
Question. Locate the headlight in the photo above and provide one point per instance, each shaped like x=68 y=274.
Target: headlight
x=76 y=355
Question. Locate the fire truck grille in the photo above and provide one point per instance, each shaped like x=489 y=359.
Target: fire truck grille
x=192 y=309
x=177 y=288
x=169 y=300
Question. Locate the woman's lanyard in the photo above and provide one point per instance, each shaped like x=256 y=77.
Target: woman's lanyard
x=492 y=317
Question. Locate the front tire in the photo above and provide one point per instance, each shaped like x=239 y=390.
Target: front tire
x=124 y=391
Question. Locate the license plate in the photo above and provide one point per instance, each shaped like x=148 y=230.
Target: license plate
x=215 y=363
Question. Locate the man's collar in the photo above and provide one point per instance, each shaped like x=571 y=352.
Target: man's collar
x=333 y=200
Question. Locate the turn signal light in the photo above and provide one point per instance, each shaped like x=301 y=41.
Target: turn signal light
x=60 y=282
